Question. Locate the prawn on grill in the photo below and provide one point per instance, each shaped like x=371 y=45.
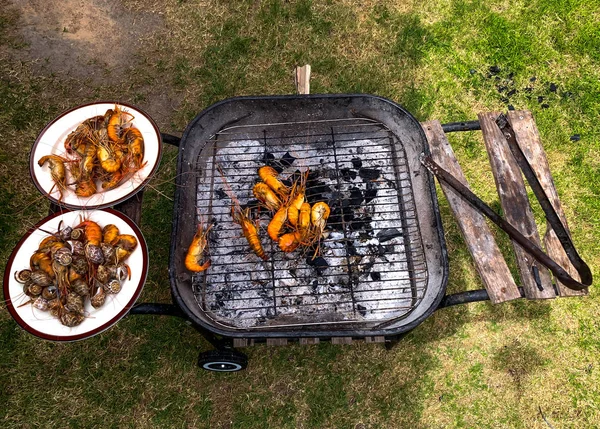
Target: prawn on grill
x=289 y=242
x=303 y=227
x=270 y=176
x=318 y=216
x=242 y=218
x=197 y=249
x=267 y=196
x=297 y=199
x=277 y=223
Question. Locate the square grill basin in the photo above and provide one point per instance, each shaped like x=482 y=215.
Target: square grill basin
x=382 y=263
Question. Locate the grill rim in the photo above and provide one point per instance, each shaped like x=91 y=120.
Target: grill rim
x=304 y=331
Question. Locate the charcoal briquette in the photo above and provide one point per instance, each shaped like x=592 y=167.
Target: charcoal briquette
x=319 y=261
x=356 y=163
x=348 y=214
x=347 y=174
x=545 y=106
x=361 y=309
x=371 y=192
x=369 y=173
x=511 y=92
x=383 y=250
x=351 y=249
x=511 y=107
x=388 y=234
x=472 y=71
x=375 y=276
x=356 y=197
x=361 y=224
x=268 y=158
x=287 y=159
x=575 y=137
x=540 y=98
x=494 y=69
x=532 y=79
x=220 y=194
x=553 y=87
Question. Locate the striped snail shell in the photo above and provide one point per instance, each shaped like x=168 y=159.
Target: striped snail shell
x=74 y=303
x=103 y=274
x=71 y=319
x=22 y=276
x=40 y=303
x=49 y=293
x=80 y=265
x=80 y=287
x=97 y=300
x=78 y=248
x=65 y=233
x=113 y=286
x=77 y=234
x=110 y=255
x=63 y=256
x=94 y=254
x=40 y=277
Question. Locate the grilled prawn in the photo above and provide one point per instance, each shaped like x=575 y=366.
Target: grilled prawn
x=270 y=176
x=57 y=171
x=196 y=251
x=242 y=218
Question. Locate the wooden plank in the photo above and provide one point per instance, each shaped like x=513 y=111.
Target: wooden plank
x=309 y=341
x=243 y=342
x=277 y=341
x=303 y=79
x=341 y=340
x=488 y=259
x=528 y=138
x=516 y=208
x=376 y=339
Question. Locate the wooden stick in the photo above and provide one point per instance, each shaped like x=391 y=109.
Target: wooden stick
x=303 y=79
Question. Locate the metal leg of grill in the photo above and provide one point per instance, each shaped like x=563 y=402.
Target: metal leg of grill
x=392 y=342
x=157 y=309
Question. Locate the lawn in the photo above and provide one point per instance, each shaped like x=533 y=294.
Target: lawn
x=515 y=365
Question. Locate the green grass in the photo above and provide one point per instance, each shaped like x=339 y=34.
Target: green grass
x=470 y=366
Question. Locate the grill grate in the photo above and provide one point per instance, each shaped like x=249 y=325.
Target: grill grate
x=372 y=270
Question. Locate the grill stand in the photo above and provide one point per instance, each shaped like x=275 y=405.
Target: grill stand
x=226 y=358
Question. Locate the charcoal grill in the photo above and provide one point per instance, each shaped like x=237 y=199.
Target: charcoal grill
x=381 y=267
x=383 y=264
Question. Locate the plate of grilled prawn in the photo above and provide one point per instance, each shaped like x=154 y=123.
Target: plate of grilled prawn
x=95 y=155
x=75 y=274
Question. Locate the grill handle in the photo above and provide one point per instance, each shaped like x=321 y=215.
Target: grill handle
x=562 y=275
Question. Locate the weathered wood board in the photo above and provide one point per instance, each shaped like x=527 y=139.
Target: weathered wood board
x=488 y=259
x=528 y=138
x=535 y=278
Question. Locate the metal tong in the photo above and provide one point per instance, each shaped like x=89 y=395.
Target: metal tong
x=551 y=216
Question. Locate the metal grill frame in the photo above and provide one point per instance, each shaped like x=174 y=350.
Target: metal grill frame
x=312 y=142
x=252 y=110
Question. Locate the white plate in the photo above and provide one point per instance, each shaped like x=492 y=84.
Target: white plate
x=51 y=142
x=41 y=323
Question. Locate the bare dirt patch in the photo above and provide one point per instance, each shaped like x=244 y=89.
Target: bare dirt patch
x=90 y=39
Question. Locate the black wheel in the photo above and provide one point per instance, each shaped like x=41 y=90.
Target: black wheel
x=222 y=360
